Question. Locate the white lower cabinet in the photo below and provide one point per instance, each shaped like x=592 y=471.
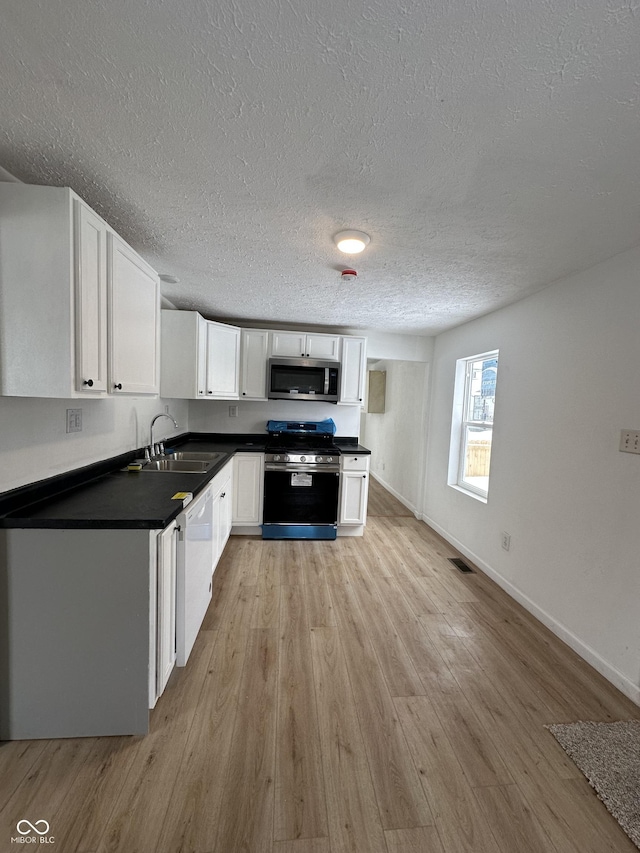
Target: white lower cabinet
x=165 y=633
x=223 y=491
x=248 y=477
x=354 y=489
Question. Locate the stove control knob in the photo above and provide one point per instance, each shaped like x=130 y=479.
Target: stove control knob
x=276 y=457
x=287 y=458
x=329 y=458
x=319 y=459
x=303 y=458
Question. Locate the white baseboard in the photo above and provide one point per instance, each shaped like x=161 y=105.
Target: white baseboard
x=395 y=494
x=351 y=530
x=246 y=530
x=624 y=684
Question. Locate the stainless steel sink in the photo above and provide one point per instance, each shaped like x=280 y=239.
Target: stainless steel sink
x=192 y=466
x=179 y=455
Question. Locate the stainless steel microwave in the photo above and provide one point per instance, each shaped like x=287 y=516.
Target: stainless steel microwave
x=303 y=379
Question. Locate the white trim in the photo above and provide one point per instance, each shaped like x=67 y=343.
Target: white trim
x=351 y=530
x=624 y=684
x=246 y=530
x=460 y=423
x=477 y=496
x=396 y=494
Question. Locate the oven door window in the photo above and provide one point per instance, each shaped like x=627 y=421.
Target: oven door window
x=300 y=497
x=300 y=380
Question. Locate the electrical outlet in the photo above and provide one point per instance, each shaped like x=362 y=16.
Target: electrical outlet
x=629 y=441
x=74 y=420
x=233 y=411
x=506 y=541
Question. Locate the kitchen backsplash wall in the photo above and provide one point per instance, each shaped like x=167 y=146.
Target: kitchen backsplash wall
x=210 y=416
x=34 y=443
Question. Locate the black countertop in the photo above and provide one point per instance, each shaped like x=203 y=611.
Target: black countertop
x=104 y=496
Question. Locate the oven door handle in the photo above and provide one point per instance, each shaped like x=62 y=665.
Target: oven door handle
x=302 y=469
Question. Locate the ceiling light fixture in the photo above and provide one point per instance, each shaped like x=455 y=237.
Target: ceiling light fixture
x=351 y=242
x=168 y=279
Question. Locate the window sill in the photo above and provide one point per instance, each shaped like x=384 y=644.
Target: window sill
x=482 y=498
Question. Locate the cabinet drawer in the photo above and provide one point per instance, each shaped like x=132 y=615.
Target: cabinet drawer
x=354 y=463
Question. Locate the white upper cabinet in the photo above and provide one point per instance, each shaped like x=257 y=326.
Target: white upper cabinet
x=200 y=359
x=183 y=355
x=303 y=345
x=288 y=344
x=90 y=256
x=54 y=312
x=323 y=346
x=223 y=361
x=353 y=370
x=134 y=321
x=253 y=364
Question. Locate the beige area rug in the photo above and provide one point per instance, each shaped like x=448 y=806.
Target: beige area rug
x=609 y=756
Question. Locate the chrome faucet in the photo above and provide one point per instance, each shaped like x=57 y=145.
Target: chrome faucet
x=158 y=449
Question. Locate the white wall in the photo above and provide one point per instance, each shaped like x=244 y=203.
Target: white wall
x=395 y=346
x=567 y=385
x=212 y=416
x=397 y=437
x=34 y=443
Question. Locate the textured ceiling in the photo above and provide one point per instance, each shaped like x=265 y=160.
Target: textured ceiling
x=488 y=147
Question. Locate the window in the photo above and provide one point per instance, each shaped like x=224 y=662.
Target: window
x=475 y=394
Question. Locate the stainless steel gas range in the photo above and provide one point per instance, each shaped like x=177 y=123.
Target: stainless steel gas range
x=301 y=481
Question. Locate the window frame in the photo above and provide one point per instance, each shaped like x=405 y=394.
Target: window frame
x=461 y=422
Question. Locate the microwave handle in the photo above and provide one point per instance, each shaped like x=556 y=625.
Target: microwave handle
x=326 y=380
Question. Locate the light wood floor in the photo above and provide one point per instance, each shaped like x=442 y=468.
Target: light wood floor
x=359 y=695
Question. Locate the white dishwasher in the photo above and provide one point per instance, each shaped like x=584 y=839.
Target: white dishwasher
x=194 y=571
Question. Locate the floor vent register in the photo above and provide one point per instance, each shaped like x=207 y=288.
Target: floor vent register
x=461 y=565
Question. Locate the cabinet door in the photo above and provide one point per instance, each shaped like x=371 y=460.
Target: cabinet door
x=201 y=356
x=226 y=512
x=90 y=300
x=353 y=497
x=253 y=361
x=223 y=361
x=222 y=509
x=166 y=607
x=248 y=475
x=353 y=370
x=134 y=318
x=288 y=344
x=323 y=346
